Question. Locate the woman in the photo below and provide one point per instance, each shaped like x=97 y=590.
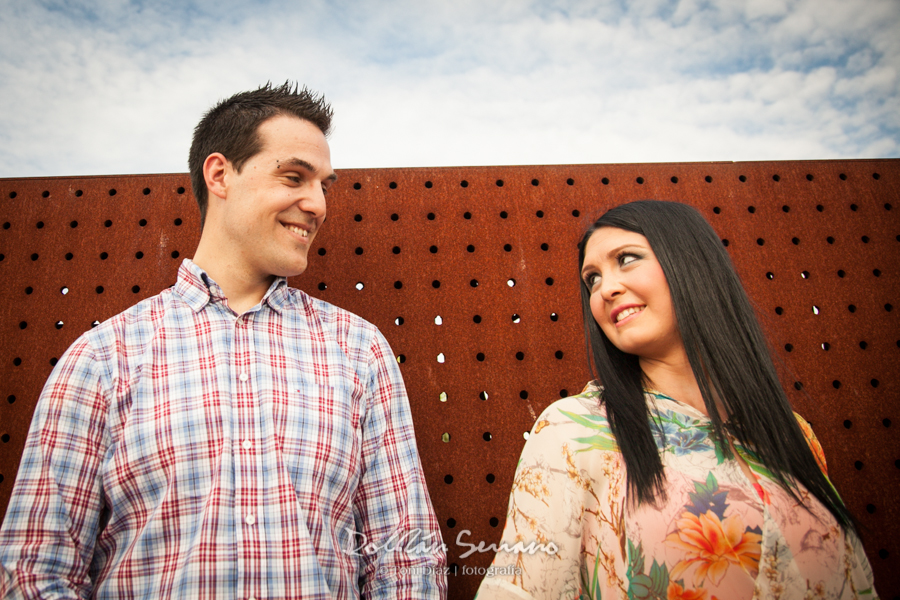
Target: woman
x=686 y=475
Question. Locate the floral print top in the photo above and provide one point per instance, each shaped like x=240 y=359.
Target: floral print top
x=720 y=533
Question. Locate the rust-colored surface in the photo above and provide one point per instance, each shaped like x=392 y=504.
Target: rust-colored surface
x=825 y=234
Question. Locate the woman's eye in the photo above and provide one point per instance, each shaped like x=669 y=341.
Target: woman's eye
x=627 y=259
x=592 y=280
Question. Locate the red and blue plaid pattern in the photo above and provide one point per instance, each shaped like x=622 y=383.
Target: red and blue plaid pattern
x=181 y=450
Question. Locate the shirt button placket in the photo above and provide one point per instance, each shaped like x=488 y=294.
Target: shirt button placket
x=246 y=492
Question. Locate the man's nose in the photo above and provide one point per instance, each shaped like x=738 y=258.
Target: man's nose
x=313 y=202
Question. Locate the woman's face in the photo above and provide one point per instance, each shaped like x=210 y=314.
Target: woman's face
x=630 y=297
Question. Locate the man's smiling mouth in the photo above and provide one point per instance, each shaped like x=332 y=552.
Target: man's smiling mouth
x=296 y=229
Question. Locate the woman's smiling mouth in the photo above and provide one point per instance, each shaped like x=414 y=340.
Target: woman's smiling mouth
x=620 y=315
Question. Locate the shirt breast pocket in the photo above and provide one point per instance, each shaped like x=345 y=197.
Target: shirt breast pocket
x=318 y=434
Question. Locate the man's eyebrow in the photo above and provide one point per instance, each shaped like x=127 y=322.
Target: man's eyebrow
x=304 y=164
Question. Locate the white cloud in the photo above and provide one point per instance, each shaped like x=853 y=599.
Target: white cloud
x=766 y=8
x=116 y=86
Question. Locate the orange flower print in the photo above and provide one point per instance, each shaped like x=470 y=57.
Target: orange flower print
x=676 y=592
x=814 y=445
x=713 y=545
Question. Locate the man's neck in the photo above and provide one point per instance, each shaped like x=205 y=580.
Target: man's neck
x=243 y=290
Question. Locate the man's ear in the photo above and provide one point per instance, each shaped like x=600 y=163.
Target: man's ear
x=214 y=169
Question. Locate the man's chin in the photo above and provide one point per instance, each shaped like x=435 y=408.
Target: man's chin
x=293 y=270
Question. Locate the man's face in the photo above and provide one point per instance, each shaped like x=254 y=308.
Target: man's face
x=274 y=207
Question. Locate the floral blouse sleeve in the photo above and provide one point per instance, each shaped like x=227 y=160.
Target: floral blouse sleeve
x=567 y=493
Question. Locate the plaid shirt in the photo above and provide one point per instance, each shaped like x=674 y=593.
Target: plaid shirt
x=180 y=450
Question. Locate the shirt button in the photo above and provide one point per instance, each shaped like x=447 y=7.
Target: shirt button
x=247 y=444
x=243 y=377
x=249 y=519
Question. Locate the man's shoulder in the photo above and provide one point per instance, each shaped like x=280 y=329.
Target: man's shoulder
x=358 y=339
x=153 y=305
x=119 y=337
x=327 y=312
x=146 y=311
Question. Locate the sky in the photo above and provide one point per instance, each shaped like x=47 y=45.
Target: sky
x=107 y=87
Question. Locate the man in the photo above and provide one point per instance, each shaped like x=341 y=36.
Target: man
x=230 y=437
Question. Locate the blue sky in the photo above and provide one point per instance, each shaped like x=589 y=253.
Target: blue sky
x=116 y=86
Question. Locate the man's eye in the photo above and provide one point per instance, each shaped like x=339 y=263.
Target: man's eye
x=294 y=178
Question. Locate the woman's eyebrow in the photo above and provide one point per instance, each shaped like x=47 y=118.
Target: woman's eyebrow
x=611 y=254
x=587 y=268
x=618 y=249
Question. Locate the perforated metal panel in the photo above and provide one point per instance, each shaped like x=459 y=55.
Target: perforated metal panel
x=471 y=274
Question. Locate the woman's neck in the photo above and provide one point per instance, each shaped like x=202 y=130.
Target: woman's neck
x=674 y=377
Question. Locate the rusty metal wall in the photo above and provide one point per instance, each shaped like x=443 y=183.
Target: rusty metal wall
x=471 y=275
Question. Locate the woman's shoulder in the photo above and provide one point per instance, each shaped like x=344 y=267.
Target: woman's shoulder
x=586 y=404
x=579 y=419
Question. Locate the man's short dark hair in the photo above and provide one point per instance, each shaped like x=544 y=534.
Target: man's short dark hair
x=232 y=127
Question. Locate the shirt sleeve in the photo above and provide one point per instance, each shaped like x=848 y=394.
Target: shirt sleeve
x=47 y=538
x=540 y=552
x=392 y=506
x=856 y=561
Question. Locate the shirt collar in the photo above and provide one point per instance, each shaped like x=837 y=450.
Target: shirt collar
x=654 y=396
x=198 y=289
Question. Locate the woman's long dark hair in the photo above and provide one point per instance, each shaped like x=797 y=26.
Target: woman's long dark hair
x=727 y=351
